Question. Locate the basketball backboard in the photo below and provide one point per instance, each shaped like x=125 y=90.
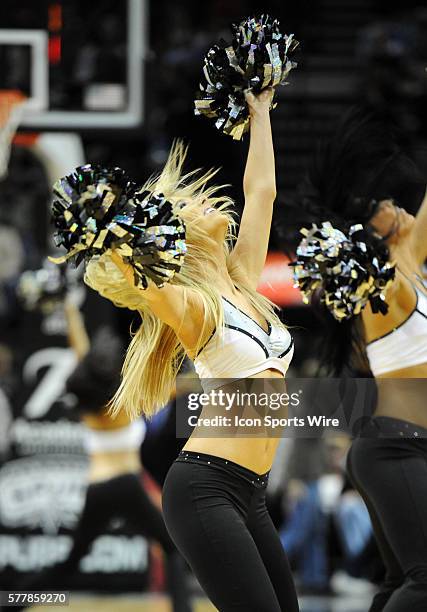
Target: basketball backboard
x=81 y=63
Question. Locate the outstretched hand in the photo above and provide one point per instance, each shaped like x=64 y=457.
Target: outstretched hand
x=260 y=103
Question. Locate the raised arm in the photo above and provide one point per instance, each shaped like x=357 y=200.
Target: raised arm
x=178 y=307
x=77 y=334
x=259 y=186
x=419 y=232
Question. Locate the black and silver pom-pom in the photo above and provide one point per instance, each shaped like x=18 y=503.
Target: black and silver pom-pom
x=98 y=208
x=256 y=58
x=151 y=238
x=46 y=288
x=86 y=201
x=348 y=270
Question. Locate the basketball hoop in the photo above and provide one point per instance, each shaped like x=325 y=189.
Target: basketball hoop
x=12 y=103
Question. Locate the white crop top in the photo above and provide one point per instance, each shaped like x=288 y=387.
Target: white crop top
x=242 y=349
x=125 y=438
x=405 y=345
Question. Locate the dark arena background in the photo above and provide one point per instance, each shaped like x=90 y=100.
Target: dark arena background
x=113 y=82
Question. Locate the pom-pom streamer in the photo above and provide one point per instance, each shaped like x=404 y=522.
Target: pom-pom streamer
x=348 y=270
x=257 y=58
x=98 y=208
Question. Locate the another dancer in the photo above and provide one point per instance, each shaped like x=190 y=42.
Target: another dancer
x=214 y=494
x=361 y=176
x=115 y=489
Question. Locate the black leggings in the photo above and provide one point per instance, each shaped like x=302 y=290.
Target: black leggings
x=119 y=497
x=215 y=512
x=391 y=476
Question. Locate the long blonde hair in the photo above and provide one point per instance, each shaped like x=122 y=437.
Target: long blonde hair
x=155 y=353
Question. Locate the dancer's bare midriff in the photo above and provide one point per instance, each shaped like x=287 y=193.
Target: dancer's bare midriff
x=402 y=394
x=104 y=465
x=254 y=453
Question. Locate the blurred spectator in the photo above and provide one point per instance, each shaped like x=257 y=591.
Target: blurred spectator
x=361 y=555
x=296 y=472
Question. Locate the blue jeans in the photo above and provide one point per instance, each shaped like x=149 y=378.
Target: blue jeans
x=304 y=538
x=354 y=524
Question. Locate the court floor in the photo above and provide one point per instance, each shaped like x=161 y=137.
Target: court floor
x=129 y=603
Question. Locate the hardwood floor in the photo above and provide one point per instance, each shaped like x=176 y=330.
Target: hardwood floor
x=157 y=603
